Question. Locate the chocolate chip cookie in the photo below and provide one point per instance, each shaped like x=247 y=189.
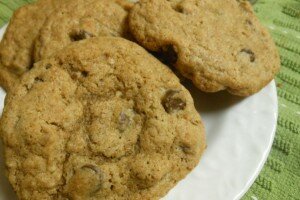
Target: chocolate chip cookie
x=17 y=45
x=81 y=20
x=97 y=121
x=219 y=45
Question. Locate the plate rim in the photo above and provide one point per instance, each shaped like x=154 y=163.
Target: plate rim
x=268 y=149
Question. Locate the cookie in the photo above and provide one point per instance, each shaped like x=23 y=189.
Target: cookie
x=219 y=45
x=17 y=45
x=97 y=121
x=81 y=20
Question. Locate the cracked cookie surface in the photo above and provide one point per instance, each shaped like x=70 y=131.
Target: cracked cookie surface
x=97 y=121
x=80 y=20
x=219 y=45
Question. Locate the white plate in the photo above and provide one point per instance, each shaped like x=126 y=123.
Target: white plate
x=240 y=134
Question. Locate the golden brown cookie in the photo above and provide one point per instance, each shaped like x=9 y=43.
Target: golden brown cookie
x=217 y=44
x=17 y=45
x=81 y=20
x=98 y=121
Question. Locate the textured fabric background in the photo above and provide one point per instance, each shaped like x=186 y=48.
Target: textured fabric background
x=280 y=177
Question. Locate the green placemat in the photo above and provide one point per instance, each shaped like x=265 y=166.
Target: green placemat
x=280 y=177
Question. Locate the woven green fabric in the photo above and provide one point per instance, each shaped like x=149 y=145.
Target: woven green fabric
x=280 y=177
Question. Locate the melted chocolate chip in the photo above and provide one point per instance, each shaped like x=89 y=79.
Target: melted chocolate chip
x=81 y=35
x=186 y=149
x=248 y=21
x=84 y=73
x=48 y=66
x=124 y=121
x=171 y=103
x=38 y=79
x=179 y=9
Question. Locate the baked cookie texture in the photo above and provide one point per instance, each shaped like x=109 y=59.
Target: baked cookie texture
x=217 y=44
x=97 y=121
x=81 y=20
x=16 y=46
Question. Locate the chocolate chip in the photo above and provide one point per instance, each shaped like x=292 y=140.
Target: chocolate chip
x=96 y=180
x=38 y=79
x=91 y=167
x=84 y=73
x=248 y=21
x=179 y=9
x=81 y=35
x=186 y=149
x=172 y=103
x=250 y=53
x=124 y=121
x=48 y=66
